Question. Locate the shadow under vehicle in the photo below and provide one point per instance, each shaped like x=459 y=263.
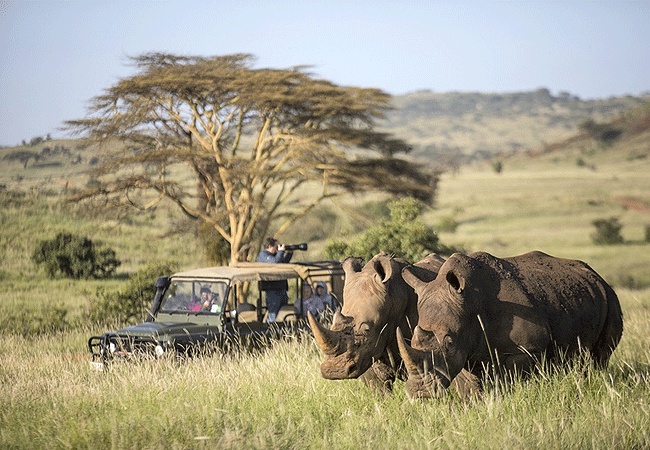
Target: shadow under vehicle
x=232 y=310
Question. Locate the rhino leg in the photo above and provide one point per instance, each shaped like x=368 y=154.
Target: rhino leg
x=522 y=365
x=467 y=385
x=379 y=377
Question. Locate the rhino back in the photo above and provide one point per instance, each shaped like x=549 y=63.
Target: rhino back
x=573 y=299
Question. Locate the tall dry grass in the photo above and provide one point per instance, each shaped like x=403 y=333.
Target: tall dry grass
x=276 y=398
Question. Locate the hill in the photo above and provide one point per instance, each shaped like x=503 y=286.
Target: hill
x=455 y=128
x=445 y=129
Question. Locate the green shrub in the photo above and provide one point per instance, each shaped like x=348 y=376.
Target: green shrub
x=74 y=256
x=403 y=235
x=605 y=133
x=130 y=303
x=647 y=233
x=608 y=231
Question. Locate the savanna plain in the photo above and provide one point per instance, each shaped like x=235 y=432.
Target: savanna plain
x=276 y=398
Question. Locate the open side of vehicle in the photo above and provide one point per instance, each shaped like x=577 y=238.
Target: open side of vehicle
x=215 y=306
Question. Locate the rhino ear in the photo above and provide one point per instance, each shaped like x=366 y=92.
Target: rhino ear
x=456 y=281
x=385 y=267
x=460 y=269
x=352 y=265
x=412 y=276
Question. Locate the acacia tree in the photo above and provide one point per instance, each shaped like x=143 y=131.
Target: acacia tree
x=251 y=137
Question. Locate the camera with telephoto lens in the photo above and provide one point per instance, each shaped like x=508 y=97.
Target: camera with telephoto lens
x=293 y=247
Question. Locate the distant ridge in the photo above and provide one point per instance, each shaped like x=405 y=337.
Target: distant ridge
x=445 y=129
x=472 y=126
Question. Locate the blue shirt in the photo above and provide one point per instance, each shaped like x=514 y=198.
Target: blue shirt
x=280 y=257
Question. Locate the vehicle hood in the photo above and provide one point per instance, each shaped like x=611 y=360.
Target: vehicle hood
x=161 y=330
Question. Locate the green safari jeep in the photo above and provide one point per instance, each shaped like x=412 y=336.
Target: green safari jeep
x=216 y=306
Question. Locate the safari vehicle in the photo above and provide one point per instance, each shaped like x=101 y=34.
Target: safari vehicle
x=231 y=308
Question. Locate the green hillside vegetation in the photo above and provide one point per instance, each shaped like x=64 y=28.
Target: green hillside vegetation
x=544 y=197
x=454 y=128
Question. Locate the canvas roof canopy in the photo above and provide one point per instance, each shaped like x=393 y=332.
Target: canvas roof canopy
x=243 y=272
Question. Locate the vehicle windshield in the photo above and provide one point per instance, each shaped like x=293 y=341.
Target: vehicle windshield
x=194 y=296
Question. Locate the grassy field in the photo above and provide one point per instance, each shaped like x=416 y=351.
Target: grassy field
x=552 y=211
x=277 y=399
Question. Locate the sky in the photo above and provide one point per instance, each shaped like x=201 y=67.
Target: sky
x=57 y=55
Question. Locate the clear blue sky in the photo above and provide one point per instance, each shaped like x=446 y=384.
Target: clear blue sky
x=57 y=55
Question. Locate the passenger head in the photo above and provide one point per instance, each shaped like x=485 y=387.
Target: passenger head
x=206 y=293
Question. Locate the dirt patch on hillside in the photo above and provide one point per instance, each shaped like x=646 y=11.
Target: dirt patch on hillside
x=633 y=203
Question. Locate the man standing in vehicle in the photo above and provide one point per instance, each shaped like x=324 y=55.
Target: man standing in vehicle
x=276 y=291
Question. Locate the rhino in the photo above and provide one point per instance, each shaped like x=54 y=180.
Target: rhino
x=484 y=313
x=361 y=342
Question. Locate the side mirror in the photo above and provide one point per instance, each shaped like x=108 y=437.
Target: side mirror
x=162 y=282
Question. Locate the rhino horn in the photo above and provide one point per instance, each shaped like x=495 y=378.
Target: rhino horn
x=326 y=339
x=413 y=359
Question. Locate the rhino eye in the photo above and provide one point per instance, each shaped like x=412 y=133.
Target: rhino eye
x=363 y=329
x=448 y=341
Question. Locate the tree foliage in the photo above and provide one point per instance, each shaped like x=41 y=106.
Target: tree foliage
x=608 y=231
x=23 y=156
x=605 y=133
x=402 y=234
x=252 y=139
x=73 y=256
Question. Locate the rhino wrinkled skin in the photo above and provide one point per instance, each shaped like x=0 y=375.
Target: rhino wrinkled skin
x=482 y=310
x=376 y=301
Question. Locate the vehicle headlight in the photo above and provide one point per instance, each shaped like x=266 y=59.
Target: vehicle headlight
x=112 y=347
x=159 y=350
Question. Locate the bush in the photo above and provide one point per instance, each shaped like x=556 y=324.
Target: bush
x=403 y=235
x=608 y=231
x=73 y=256
x=601 y=132
x=132 y=301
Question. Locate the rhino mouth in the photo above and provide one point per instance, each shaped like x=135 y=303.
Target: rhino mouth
x=341 y=360
x=333 y=370
x=425 y=379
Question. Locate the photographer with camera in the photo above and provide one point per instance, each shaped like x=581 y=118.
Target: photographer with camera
x=274 y=252
x=276 y=291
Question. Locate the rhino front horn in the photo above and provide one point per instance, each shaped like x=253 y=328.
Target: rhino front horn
x=326 y=339
x=413 y=359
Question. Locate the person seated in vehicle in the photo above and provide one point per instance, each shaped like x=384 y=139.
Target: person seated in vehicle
x=207 y=301
x=309 y=302
x=327 y=298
